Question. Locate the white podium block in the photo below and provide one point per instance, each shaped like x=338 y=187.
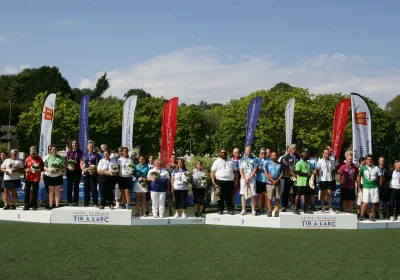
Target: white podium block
x=38 y=216
x=243 y=220
x=318 y=220
x=91 y=215
x=379 y=224
x=166 y=221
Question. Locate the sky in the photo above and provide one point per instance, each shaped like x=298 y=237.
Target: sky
x=212 y=50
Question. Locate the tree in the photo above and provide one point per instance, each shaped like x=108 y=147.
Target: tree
x=137 y=91
x=393 y=107
x=101 y=86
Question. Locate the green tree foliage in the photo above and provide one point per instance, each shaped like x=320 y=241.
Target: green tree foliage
x=101 y=86
x=137 y=91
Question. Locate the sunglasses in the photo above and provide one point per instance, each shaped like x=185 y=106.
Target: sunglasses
x=223 y=152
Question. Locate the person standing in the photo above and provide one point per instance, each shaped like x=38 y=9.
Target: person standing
x=274 y=173
x=384 y=189
x=261 y=180
x=171 y=166
x=89 y=162
x=13 y=168
x=361 y=162
x=105 y=181
x=140 y=186
x=236 y=159
x=125 y=178
x=74 y=173
x=199 y=183
x=3 y=157
x=103 y=148
x=348 y=177
x=224 y=173
x=303 y=171
x=45 y=178
x=34 y=166
x=248 y=169
x=326 y=169
x=114 y=160
x=180 y=181
x=158 y=187
x=289 y=162
x=372 y=178
x=150 y=164
x=54 y=167
x=395 y=194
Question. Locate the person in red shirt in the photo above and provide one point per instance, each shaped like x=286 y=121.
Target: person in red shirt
x=33 y=168
x=348 y=176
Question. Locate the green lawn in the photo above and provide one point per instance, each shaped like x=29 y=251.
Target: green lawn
x=44 y=251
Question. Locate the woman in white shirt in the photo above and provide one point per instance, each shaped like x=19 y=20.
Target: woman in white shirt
x=3 y=157
x=180 y=181
x=54 y=167
x=125 y=178
x=395 y=193
x=158 y=187
x=13 y=168
x=45 y=177
x=200 y=183
x=106 y=181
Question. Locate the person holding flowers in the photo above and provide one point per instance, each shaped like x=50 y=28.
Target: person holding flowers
x=12 y=168
x=54 y=166
x=74 y=172
x=171 y=166
x=45 y=177
x=159 y=181
x=89 y=162
x=150 y=164
x=126 y=170
x=106 y=180
x=200 y=182
x=140 y=186
x=248 y=170
x=180 y=179
x=33 y=169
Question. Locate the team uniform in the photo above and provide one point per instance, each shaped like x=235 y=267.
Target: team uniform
x=274 y=170
x=90 y=180
x=261 y=180
x=180 y=189
x=370 y=176
x=199 y=187
x=125 y=173
x=327 y=179
x=141 y=172
x=236 y=161
x=302 y=182
x=158 y=190
x=348 y=175
x=395 y=195
x=384 y=191
x=32 y=181
x=288 y=162
x=12 y=180
x=106 y=183
x=248 y=165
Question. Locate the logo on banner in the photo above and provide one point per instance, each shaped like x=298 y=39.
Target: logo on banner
x=48 y=114
x=318 y=222
x=95 y=217
x=361 y=118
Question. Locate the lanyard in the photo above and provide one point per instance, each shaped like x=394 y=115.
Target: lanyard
x=369 y=172
x=349 y=169
x=108 y=164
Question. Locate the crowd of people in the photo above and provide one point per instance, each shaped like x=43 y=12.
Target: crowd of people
x=265 y=180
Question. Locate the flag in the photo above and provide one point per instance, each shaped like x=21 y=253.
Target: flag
x=253 y=111
x=289 y=116
x=84 y=123
x=127 y=122
x=339 y=126
x=46 y=125
x=362 y=127
x=168 y=130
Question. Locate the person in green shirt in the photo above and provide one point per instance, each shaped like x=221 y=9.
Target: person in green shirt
x=303 y=171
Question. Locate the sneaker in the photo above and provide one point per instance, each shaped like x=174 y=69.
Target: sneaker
x=377 y=216
x=220 y=212
x=243 y=212
x=111 y=207
x=70 y=205
x=262 y=212
x=253 y=213
x=196 y=215
x=276 y=214
x=137 y=214
x=123 y=206
x=309 y=211
x=361 y=218
x=147 y=213
x=366 y=216
x=296 y=211
x=313 y=208
x=155 y=215
x=6 y=207
x=332 y=211
x=101 y=207
x=323 y=209
x=128 y=207
x=258 y=212
x=25 y=208
x=183 y=216
x=170 y=212
x=13 y=207
x=49 y=208
x=231 y=212
x=161 y=215
x=34 y=208
x=372 y=219
x=292 y=207
x=176 y=215
x=392 y=218
x=283 y=209
x=144 y=215
x=269 y=214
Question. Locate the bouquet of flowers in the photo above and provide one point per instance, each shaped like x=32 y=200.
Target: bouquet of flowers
x=71 y=164
x=92 y=169
x=204 y=180
x=114 y=169
x=187 y=177
x=35 y=167
x=154 y=175
x=142 y=181
x=132 y=166
x=56 y=166
x=13 y=166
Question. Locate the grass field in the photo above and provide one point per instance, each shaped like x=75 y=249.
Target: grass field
x=44 y=251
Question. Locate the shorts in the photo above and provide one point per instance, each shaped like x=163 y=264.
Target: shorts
x=348 y=194
x=306 y=190
x=12 y=184
x=384 y=195
x=274 y=191
x=125 y=183
x=327 y=185
x=261 y=187
x=359 y=198
x=199 y=195
x=252 y=187
x=55 y=181
x=370 y=195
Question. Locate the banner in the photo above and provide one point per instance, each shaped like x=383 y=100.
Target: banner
x=128 y=117
x=84 y=123
x=339 y=126
x=46 y=125
x=362 y=124
x=168 y=130
x=253 y=111
x=289 y=116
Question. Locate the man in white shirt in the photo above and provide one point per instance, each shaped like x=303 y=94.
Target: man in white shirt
x=224 y=173
x=395 y=193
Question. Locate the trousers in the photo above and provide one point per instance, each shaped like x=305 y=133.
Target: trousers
x=90 y=186
x=73 y=181
x=35 y=188
x=158 y=202
x=226 y=195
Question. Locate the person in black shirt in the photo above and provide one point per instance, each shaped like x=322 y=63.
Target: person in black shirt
x=289 y=162
x=384 y=189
